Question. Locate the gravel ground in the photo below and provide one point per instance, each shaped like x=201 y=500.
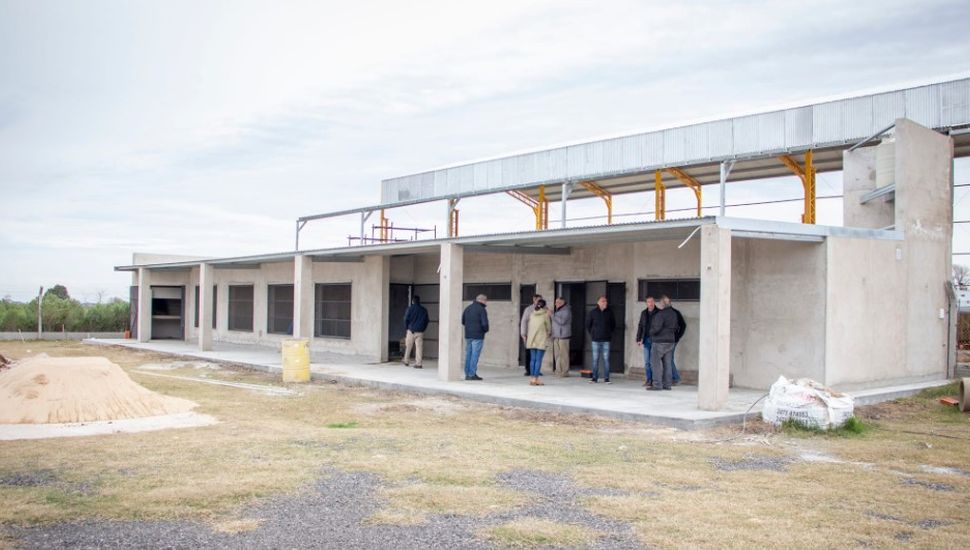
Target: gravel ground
x=331 y=514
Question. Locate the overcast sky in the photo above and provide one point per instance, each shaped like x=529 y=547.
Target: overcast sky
x=206 y=128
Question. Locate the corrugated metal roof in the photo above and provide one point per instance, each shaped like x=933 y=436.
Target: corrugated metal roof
x=827 y=126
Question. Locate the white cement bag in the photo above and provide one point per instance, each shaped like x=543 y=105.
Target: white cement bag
x=808 y=402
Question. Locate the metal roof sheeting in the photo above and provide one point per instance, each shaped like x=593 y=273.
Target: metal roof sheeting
x=940 y=106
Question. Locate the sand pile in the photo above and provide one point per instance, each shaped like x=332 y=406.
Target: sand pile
x=42 y=390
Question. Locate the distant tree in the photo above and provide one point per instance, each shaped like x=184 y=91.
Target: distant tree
x=961 y=275
x=58 y=290
x=65 y=314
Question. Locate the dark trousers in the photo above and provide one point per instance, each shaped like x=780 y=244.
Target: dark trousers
x=661 y=357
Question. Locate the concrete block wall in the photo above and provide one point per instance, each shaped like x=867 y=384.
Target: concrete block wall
x=369 y=280
x=623 y=262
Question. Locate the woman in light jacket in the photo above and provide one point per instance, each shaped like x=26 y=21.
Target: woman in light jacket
x=537 y=337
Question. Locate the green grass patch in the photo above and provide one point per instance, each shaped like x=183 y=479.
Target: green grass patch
x=948 y=390
x=343 y=425
x=852 y=427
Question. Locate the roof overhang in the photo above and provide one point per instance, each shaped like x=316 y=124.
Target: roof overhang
x=553 y=241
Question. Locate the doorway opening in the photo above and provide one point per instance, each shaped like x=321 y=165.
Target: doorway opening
x=582 y=297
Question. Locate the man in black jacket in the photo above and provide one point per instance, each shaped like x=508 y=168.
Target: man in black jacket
x=475 y=321
x=643 y=337
x=681 y=329
x=663 y=328
x=415 y=322
x=600 y=324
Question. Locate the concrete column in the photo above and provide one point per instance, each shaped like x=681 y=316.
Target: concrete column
x=385 y=296
x=206 y=278
x=714 y=354
x=303 y=297
x=924 y=213
x=450 y=334
x=144 y=304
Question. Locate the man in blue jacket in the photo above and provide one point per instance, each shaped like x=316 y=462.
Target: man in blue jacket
x=415 y=322
x=475 y=321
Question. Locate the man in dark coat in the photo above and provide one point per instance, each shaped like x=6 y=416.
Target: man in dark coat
x=643 y=337
x=663 y=328
x=415 y=322
x=681 y=329
x=475 y=321
x=600 y=324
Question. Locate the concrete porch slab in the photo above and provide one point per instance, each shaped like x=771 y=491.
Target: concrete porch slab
x=625 y=399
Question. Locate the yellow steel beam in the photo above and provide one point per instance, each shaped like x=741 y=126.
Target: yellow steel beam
x=659 y=196
x=543 y=221
x=607 y=197
x=807 y=175
x=540 y=208
x=384 y=233
x=452 y=218
x=689 y=181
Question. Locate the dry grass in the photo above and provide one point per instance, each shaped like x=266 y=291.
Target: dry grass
x=234 y=526
x=532 y=532
x=439 y=456
x=425 y=498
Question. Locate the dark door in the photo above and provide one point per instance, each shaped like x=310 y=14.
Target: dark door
x=616 y=294
x=591 y=293
x=525 y=299
x=168 y=313
x=133 y=311
x=430 y=294
x=616 y=297
x=400 y=298
x=575 y=296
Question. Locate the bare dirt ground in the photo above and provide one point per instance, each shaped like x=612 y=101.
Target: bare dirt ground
x=339 y=467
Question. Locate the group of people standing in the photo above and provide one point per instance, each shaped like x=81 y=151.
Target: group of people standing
x=660 y=329
x=541 y=329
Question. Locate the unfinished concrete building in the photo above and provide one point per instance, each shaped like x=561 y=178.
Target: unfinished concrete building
x=862 y=305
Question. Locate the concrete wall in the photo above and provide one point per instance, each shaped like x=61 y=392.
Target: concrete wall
x=777 y=311
x=369 y=302
x=624 y=262
x=859 y=178
x=865 y=338
x=924 y=198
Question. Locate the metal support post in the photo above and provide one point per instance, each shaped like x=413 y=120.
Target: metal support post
x=807 y=175
x=540 y=208
x=607 y=197
x=364 y=216
x=567 y=188
x=659 y=196
x=691 y=182
x=452 y=217
x=300 y=224
x=726 y=168
x=543 y=209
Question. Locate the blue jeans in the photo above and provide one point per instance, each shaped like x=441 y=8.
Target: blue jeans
x=473 y=348
x=647 y=346
x=601 y=350
x=535 y=361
